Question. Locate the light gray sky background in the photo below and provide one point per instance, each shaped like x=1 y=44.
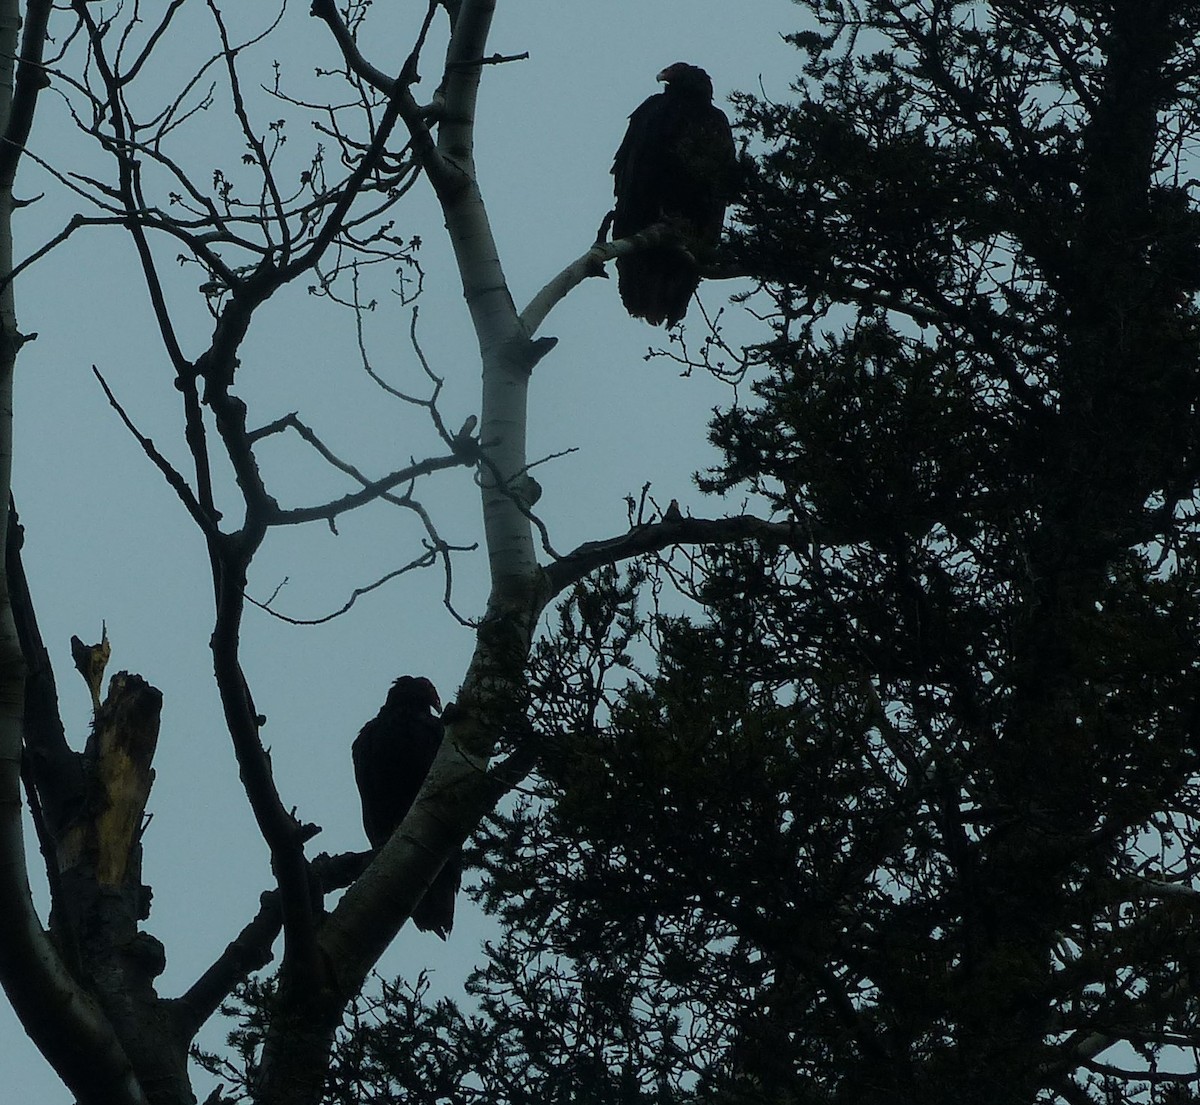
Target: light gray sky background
x=106 y=540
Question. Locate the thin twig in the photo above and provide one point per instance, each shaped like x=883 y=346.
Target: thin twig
x=171 y=474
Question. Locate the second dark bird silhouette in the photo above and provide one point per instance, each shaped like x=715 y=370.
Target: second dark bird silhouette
x=392 y=755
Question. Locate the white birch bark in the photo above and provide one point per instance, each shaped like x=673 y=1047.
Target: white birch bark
x=503 y=345
x=458 y=791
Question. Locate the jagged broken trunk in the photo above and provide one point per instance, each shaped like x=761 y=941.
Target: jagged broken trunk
x=92 y=817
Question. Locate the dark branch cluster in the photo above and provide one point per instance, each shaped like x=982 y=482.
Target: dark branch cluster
x=251 y=228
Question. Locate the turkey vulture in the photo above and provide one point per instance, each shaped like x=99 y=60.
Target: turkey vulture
x=676 y=165
x=392 y=756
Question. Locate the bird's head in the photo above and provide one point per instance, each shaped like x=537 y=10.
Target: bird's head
x=688 y=79
x=414 y=690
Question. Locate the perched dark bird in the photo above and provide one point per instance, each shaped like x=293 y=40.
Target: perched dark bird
x=392 y=756
x=676 y=165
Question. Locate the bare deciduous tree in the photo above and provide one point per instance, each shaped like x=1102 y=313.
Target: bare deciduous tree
x=85 y=986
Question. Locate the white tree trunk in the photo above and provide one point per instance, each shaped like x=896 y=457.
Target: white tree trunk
x=458 y=792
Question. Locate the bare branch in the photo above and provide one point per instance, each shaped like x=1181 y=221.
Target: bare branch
x=656 y=536
x=171 y=474
x=250 y=950
x=152 y=40
x=326 y=11
x=248 y=132
x=426 y=560
x=491 y=59
x=590 y=264
x=77 y=222
x=371 y=489
x=131 y=198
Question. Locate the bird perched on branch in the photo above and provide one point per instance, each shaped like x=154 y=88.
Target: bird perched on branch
x=392 y=755
x=676 y=166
